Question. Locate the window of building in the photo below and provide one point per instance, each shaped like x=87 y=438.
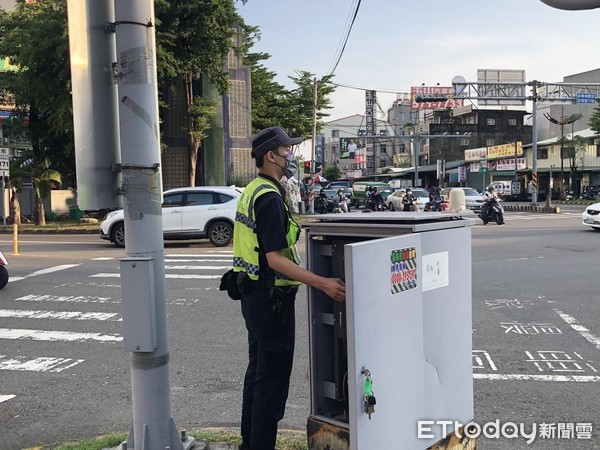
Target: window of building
x=335 y=133
x=489 y=142
x=512 y=122
x=598 y=151
x=237 y=109
x=490 y=121
x=542 y=153
x=382 y=148
x=464 y=141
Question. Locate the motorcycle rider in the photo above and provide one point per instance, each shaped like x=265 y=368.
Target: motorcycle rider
x=409 y=202
x=436 y=200
x=341 y=200
x=376 y=200
x=488 y=198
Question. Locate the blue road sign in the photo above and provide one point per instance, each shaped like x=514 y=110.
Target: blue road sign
x=586 y=97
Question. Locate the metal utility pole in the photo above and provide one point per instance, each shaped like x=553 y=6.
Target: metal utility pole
x=313 y=161
x=534 y=180
x=143 y=268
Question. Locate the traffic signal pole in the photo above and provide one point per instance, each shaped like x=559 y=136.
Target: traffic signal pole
x=143 y=268
x=106 y=118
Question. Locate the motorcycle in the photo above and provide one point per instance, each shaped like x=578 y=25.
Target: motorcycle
x=495 y=213
x=3 y=271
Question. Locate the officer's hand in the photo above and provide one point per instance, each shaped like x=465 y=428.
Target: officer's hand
x=335 y=288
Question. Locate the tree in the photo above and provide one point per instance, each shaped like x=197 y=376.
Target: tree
x=574 y=151
x=298 y=121
x=34 y=38
x=594 y=122
x=39 y=170
x=268 y=98
x=193 y=40
x=332 y=173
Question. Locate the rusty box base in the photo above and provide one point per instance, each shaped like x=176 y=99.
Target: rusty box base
x=323 y=435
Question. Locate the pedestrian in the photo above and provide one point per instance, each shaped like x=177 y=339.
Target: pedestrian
x=269 y=273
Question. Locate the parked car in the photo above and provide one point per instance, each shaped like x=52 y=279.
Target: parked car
x=591 y=216
x=473 y=199
x=206 y=212
x=394 y=201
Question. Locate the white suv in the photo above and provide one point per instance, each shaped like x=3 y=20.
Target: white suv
x=188 y=213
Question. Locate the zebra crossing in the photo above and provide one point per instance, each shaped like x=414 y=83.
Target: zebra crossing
x=61 y=307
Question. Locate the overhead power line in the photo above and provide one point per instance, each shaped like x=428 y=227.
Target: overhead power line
x=346 y=39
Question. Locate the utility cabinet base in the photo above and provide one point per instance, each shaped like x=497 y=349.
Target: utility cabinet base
x=326 y=436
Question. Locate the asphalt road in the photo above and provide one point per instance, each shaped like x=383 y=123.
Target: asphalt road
x=64 y=374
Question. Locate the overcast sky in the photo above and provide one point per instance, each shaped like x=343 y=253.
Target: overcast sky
x=396 y=44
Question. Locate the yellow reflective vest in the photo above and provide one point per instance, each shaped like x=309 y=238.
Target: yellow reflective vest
x=245 y=239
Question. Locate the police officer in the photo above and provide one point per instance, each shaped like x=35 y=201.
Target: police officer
x=267 y=262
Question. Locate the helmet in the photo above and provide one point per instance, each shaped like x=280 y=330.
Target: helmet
x=408 y=191
x=490 y=188
x=438 y=190
x=374 y=188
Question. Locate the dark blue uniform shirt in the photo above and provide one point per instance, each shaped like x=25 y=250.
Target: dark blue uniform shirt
x=272 y=221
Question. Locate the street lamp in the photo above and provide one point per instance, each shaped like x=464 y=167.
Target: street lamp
x=564 y=121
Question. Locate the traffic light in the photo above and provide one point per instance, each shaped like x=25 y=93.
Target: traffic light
x=431 y=98
x=307 y=167
x=318 y=167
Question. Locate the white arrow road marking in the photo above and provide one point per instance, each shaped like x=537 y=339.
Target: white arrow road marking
x=169 y=275
x=44 y=272
x=525 y=377
x=4 y=398
x=66 y=298
x=583 y=331
x=42 y=364
x=72 y=315
x=67 y=336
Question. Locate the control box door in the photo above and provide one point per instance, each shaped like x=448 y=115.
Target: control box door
x=385 y=336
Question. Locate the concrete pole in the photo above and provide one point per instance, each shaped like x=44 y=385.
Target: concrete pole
x=314 y=132
x=143 y=268
x=534 y=192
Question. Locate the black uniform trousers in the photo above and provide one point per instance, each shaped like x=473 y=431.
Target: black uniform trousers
x=270 y=355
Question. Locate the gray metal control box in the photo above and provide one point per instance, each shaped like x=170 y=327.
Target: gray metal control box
x=406 y=320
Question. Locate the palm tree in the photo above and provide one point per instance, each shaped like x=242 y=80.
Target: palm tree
x=42 y=176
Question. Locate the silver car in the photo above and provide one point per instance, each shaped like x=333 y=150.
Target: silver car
x=206 y=212
x=591 y=216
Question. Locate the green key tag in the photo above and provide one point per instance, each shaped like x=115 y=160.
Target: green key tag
x=368 y=387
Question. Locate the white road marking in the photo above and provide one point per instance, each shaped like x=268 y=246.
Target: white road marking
x=44 y=271
x=525 y=377
x=583 y=331
x=198 y=267
x=102 y=258
x=169 y=275
x=201 y=255
x=53 y=336
x=524 y=259
x=67 y=315
x=4 y=398
x=67 y=298
x=224 y=260
x=42 y=364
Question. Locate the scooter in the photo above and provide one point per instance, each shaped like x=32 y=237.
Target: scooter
x=495 y=212
x=3 y=271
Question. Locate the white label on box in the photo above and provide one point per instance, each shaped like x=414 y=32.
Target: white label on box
x=435 y=270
